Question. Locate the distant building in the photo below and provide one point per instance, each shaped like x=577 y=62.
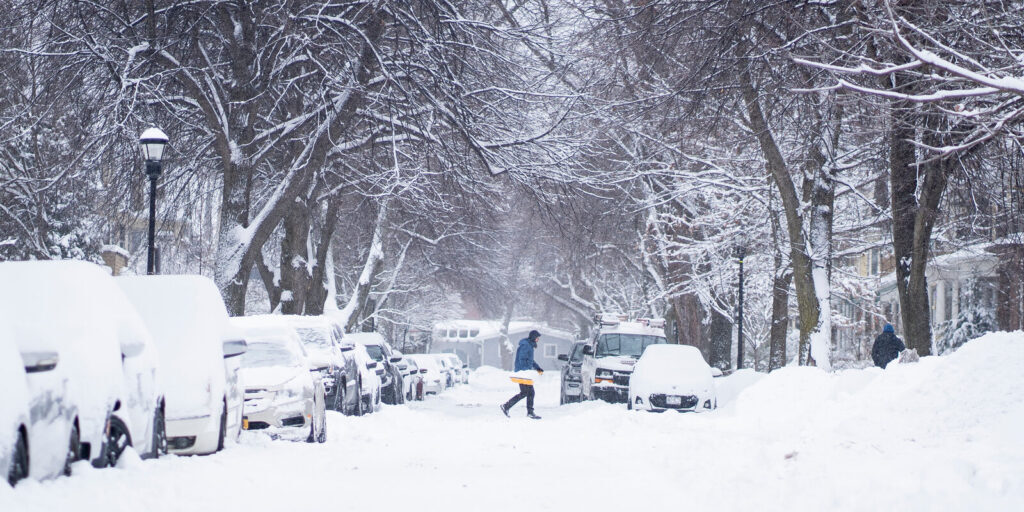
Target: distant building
x=478 y=342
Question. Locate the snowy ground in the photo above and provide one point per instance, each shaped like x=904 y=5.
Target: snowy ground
x=943 y=434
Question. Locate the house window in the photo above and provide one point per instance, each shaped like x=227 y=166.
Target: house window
x=949 y=301
x=464 y=333
x=452 y=333
x=550 y=350
x=474 y=333
x=874 y=262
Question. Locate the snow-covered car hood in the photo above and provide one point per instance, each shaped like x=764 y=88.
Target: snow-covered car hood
x=319 y=357
x=620 y=363
x=268 y=377
x=647 y=380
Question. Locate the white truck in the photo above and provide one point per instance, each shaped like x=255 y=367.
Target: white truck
x=608 y=358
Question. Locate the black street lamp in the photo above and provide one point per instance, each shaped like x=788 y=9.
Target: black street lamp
x=152 y=142
x=740 y=252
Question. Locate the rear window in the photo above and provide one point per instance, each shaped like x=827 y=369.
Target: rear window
x=261 y=355
x=375 y=352
x=312 y=336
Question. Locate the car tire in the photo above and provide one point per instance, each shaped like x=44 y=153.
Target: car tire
x=159 y=433
x=74 y=448
x=223 y=434
x=117 y=441
x=322 y=438
x=19 y=462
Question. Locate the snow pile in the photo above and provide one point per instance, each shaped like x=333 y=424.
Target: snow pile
x=14 y=406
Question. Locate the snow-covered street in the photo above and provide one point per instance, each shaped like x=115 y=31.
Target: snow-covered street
x=942 y=434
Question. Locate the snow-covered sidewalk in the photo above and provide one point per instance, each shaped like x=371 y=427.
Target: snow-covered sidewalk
x=943 y=434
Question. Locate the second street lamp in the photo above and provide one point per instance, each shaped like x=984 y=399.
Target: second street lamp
x=741 y=252
x=152 y=142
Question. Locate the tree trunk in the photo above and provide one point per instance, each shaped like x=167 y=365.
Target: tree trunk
x=913 y=220
x=803 y=269
x=720 y=340
x=295 y=264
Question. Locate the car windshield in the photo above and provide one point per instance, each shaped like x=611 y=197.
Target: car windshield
x=313 y=337
x=577 y=353
x=261 y=355
x=375 y=352
x=625 y=344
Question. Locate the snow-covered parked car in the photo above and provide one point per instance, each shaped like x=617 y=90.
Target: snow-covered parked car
x=101 y=394
x=327 y=347
x=391 y=378
x=15 y=444
x=430 y=368
x=283 y=394
x=413 y=378
x=460 y=370
x=370 y=374
x=672 y=377
x=445 y=367
x=198 y=355
x=609 y=357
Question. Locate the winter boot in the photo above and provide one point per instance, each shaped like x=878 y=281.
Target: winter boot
x=530 y=415
x=504 y=410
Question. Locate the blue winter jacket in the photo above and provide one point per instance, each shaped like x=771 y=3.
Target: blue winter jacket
x=524 y=356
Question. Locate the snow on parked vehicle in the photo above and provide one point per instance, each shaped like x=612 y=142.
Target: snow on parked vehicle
x=433 y=378
x=15 y=443
x=672 y=377
x=609 y=357
x=103 y=394
x=381 y=352
x=189 y=324
x=283 y=394
x=327 y=348
x=370 y=373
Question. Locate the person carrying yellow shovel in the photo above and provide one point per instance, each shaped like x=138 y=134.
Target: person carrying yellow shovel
x=524 y=363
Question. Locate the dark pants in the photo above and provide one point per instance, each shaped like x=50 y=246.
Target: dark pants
x=525 y=391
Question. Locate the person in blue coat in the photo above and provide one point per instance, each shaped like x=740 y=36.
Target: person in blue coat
x=524 y=361
x=887 y=347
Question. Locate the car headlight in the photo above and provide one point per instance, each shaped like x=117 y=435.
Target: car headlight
x=604 y=374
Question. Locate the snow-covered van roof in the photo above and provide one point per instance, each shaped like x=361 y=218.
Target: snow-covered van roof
x=638 y=328
x=365 y=338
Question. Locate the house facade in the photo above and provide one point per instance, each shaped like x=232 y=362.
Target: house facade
x=478 y=342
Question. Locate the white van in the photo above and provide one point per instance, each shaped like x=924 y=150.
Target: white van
x=608 y=358
x=188 y=321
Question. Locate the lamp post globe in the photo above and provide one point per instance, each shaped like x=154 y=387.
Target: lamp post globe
x=152 y=142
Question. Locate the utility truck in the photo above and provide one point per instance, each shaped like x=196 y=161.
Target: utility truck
x=608 y=358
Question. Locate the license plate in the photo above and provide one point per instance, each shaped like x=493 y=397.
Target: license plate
x=674 y=400
x=245 y=424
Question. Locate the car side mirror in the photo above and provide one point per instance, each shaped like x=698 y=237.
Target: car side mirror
x=423 y=370
x=347 y=348
x=131 y=348
x=319 y=369
x=588 y=350
x=235 y=348
x=36 y=362
x=370 y=366
x=563 y=357
x=715 y=372
x=395 y=359
x=465 y=366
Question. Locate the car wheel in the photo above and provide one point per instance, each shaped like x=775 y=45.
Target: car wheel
x=223 y=428
x=118 y=439
x=322 y=438
x=19 y=464
x=74 y=449
x=159 y=433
